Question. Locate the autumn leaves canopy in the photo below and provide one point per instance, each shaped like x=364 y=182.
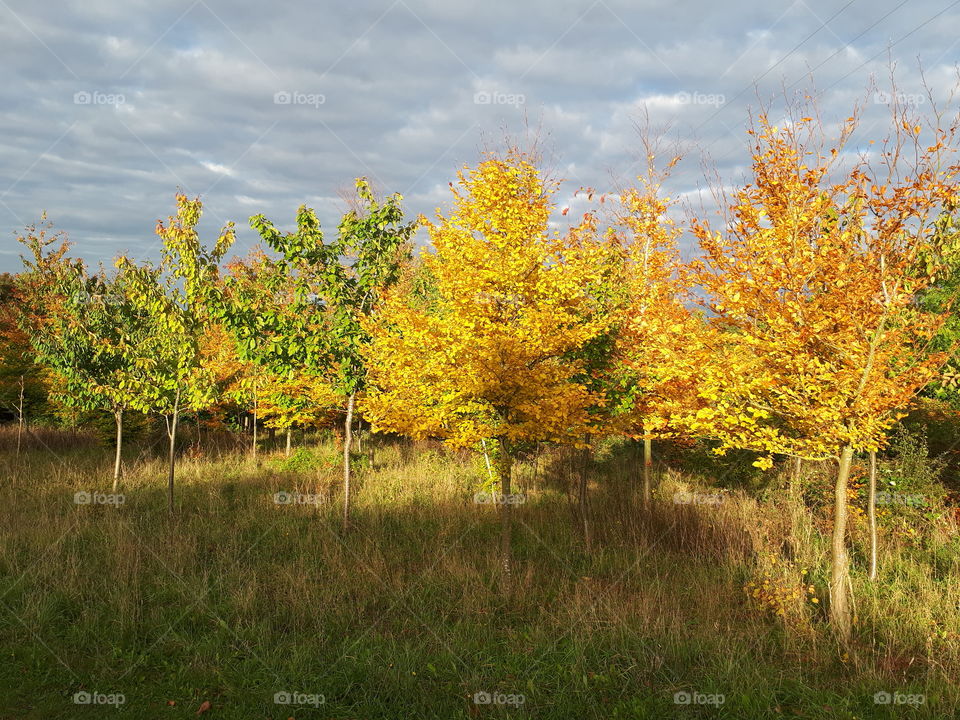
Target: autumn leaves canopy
x=795 y=331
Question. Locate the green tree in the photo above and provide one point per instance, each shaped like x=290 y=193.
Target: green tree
x=173 y=296
x=336 y=285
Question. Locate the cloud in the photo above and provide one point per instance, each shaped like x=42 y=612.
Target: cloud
x=109 y=107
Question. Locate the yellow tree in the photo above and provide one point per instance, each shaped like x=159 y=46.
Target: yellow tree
x=304 y=400
x=659 y=343
x=488 y=349
x=819 y=340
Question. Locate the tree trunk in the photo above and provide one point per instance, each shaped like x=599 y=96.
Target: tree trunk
x=504 y=475
x=584 y=510
x=20 y=419
x=172 y=433
x=370 y=448
x=872 y=514
x=289 y=433
x=254 y=432
x=795 y=478
x=840 y=569
x=116 y=465
x=647 y=465
x=347 y=439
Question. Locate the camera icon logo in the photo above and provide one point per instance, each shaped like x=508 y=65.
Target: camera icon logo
x=282 y=498
x=482 y=698
x=882 y=698
x=282 y=98
x=82 y=498
x=682 y=698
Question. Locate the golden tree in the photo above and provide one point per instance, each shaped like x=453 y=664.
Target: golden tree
x=820 y=342
x=488 y=348
x=659 y=340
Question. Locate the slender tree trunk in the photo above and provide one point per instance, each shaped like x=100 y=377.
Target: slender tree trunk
x=172 y=432
x=584 y=507
x=289 y=433
x=504 y=475
x=794 y=482
x=347 y=440
x=20 y=420
x=370 y=447
x=872 y=514
x=840 y=568
x=116 y=465
x=486 y=456
x=255 y=432
x=647 y=465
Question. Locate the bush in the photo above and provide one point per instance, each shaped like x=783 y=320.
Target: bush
x=909 y=483
x=305 y=459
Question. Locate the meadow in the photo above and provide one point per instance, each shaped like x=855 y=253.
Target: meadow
x=249 y=601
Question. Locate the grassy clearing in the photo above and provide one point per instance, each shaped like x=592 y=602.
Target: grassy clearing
x=237 y=598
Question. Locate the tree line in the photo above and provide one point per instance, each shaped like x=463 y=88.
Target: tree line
x=820 y=303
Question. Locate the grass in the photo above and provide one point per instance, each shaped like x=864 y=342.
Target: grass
x=236 y=598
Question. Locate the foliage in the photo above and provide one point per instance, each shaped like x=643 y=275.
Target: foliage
x=495 y=350
x=328 y=289
x=173 y=296
x=812 y=284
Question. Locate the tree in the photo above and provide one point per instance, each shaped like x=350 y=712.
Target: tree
x=491 y=353
x=174 y=298
x=91 y=344
x=656 y=360
x=811 y=282
x=336 y=286
x=23 y=391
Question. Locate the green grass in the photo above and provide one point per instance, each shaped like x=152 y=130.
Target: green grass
x=236 y=598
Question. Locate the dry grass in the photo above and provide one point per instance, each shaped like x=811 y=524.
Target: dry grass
x=236 y=597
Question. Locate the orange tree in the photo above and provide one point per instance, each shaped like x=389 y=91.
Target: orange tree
x=819 y=339
x=490 y=347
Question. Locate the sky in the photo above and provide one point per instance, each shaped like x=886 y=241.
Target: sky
x=108 y=108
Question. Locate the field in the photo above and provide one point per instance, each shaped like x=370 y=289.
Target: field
x=240 y=606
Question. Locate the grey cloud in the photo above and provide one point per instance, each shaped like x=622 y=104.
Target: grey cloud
x=400 y=83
